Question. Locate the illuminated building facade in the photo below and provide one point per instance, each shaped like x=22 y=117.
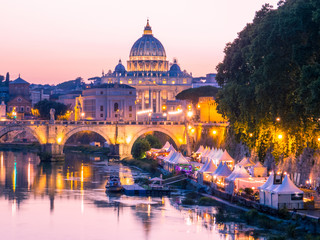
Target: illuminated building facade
x=149 y=72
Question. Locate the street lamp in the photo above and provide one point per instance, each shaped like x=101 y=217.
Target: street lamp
x=82 y=115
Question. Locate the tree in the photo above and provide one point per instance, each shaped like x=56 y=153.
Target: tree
x=140 y=147
x=44 y=107
x=193 y=94
x=153 y=141
x=272 y=71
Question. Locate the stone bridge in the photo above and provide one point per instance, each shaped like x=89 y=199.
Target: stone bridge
x=52 y=135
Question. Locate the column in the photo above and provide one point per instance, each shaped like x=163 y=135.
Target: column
x=142 y=101
x=157 y=101
x=160 y=102
x=151 y=100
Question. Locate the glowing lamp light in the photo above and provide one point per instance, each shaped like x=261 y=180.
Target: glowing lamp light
x=128 y=139
x=214 y=132
x=189 y=127
x=280 y=136
x=82 y=114
x=164 y=114
x=250 y=135
x=192 y=130
x=278 y=119
x=189 y=114
x=164 y=107
x=319 y=139
x=59 y=140
x=198 y=106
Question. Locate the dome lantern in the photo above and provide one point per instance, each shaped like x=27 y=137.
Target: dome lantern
x=147 y=29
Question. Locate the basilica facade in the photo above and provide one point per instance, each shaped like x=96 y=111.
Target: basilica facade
x=149 y=72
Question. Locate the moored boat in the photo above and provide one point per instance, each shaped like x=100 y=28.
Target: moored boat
x=113 y=184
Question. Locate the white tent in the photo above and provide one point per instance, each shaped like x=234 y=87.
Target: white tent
x=200 y=149
x=239 y=172
x=287 y=195
x=258 y=170
x=226 y=158
x=166 y=146
x=180 y=159
x=245 y=162
x=171 y=148
x=204 y=166
x=205 y=171
x=224 y=171
x=210 y=167
x=216 y=157
x=262 y=189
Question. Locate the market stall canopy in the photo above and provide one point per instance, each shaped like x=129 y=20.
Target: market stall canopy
x=166 y=145
x=268 y=183
x=171 y=148
x=224 y=171
x=180 y=159
x=218 y=169
x=240 y=172
x=287 y=187
x=204 y=166
x=226 y=157
x=210 y=167
x=246 y=162
x=200 y=149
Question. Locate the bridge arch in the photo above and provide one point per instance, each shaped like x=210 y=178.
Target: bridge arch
x=33 y=132
x=66 y=136
x=154 y=129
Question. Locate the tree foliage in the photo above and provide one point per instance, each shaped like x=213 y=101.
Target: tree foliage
x=193 y=94
x=140 y=147
x=153 y=141
x=272 y=70
x=44 y=107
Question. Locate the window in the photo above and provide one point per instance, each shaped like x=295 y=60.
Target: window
x=173 y=82
x=140 y=81
x=185 y=81
x=130 y=114
x=28 y=109
x=130 y=108
x=101 y=92
x=101 y=108
x=115 y=107
x=130 y=81
x=121 y=82
x=101 y=115
x=19 y=99
x=130 y=92
x=164 y=81
x=22 y=109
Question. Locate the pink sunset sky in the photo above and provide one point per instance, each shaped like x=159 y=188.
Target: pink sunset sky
x=55 y=41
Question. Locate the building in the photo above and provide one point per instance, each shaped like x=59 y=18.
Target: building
x=208 y=110
x=150 y=73
x=107 y=102
x=19 y=98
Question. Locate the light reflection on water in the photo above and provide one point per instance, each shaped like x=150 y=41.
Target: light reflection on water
x=66 y=200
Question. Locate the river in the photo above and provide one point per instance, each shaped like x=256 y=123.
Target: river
x=67 y=200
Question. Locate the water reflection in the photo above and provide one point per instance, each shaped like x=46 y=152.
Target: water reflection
x=63 y=196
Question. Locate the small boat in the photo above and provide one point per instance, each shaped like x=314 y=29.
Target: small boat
x=113 y=184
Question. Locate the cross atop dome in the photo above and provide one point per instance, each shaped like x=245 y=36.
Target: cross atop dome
x=147 y=29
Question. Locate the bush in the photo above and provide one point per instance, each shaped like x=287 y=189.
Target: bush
x=248 y=191
x=251 y=216
x=284 y=213
x=206 y=201
x=188 y=201
x=193 y=195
